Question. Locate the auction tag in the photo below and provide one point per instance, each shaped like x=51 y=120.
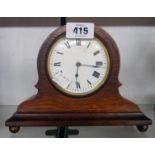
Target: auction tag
x=80 y=30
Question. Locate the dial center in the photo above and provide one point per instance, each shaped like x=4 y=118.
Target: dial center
x=78 y=64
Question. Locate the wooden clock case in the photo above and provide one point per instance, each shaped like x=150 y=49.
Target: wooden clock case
x=50 y=107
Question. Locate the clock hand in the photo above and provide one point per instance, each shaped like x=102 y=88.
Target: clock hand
x=77 y=74
x=77 y=70
x=94 y=66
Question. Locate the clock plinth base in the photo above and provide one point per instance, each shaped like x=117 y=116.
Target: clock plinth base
x=80 y=119
x=62 y=132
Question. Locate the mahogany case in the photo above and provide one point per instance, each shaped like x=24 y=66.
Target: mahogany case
x=50 y=107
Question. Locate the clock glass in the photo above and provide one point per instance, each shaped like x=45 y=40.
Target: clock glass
x=78 y=67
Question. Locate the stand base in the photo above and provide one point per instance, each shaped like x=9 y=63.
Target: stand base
x=77 y=119
x=62 y=132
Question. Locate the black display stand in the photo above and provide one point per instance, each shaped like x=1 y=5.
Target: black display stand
x=63 y=131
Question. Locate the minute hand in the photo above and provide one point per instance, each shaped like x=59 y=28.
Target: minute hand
x=94 y=66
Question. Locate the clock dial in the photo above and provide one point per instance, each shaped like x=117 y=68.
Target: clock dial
x=78 y=67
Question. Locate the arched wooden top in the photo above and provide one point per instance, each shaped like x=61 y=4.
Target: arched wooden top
x=45 y=84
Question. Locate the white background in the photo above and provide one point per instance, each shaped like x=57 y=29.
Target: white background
x=19 y=46
x=80 y=8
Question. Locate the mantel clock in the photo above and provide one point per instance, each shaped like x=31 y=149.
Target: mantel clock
x=78 y=86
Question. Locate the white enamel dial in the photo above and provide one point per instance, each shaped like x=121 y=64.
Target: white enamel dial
x=78 y=67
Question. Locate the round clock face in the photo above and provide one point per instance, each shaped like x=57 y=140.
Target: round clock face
x=78 y=67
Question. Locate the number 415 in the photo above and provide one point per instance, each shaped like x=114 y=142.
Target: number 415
x=80 y=30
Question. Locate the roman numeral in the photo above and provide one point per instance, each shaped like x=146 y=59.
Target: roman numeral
x=67 y=44
x=59 y=72
x=78 y=42
x=88 y=44
x=57 y=64
x=96 y=74
x=77 y=85
x=69 y=85
x=89 y=82
x=60 y=53
x=95 y=53
x=99 y=63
